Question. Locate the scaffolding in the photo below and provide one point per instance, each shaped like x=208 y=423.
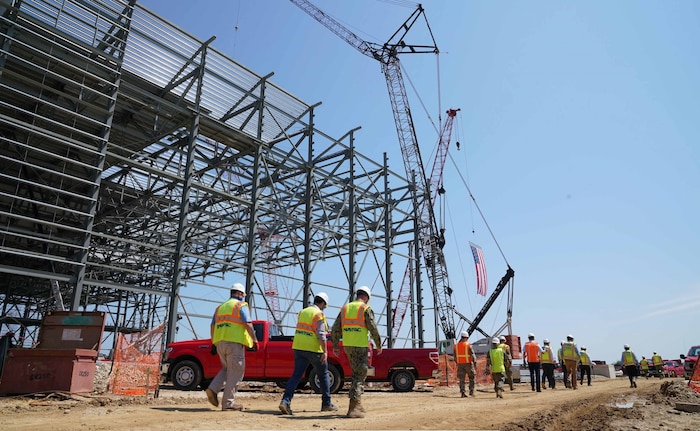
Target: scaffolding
x=139 y=166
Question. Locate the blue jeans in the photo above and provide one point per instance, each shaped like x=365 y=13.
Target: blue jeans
x=302 y=359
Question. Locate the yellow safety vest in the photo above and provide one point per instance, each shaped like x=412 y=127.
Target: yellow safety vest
x=497 y=357
x=355 y=331
x=547 y=357
x=629 y=358
x=568 y=352
x=645 y=364
x=656 y=359
x=305 y=337
x=585 y=359
x=463 y=352
x=228 y=325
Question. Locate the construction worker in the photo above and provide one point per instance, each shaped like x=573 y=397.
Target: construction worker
x=658 y=364
x=466 y=363
x=585 y=365
x=629 y=361
x=644 y=363
x=231 y=332
x=509 y=361
x=309 y=347
x=570 y=353
x=560 y=358
x=495 y=364
x=547 y=361
x=531 y=358
x=355 y=324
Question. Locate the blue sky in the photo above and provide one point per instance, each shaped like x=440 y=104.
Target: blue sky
x=577 y=127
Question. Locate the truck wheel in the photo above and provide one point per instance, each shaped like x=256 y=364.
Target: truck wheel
x=186 y=375
x=403 y=380
x=333 y=375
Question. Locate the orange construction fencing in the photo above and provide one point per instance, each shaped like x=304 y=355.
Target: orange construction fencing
x=448 y=371
x=694 y=381
x=136 y=368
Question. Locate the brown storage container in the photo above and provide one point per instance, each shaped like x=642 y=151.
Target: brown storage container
x=44 y=370
x=516 y=350
x=71 y=330
x=65 y=359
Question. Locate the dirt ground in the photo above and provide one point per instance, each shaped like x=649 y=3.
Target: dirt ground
x=609 y=404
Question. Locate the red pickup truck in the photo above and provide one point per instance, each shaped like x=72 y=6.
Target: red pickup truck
x=190 y=364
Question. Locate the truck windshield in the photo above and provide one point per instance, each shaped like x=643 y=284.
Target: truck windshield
x=694 y=351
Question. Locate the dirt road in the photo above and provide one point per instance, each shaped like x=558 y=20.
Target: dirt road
x=596 y=407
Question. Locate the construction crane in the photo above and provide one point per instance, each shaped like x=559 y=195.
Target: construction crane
x=387 y=55
x=436 y=187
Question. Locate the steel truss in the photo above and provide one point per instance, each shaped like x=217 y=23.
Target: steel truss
x=143 y=171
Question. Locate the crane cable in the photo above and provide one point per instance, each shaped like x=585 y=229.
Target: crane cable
x=471 y=195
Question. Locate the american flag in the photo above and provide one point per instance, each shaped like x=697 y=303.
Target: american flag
x=481 y=279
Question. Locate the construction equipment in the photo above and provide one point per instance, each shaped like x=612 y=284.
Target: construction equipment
x=402 y=299
x=387 y=55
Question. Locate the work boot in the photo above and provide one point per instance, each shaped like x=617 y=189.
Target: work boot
x=213 y=399
x=499 y=393
x=329 y=408
x=463 y=394
x=286 y=408
x=471 y=392
x=354 y=411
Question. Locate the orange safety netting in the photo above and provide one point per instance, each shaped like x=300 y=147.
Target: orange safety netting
x=448 y=371
x=694 y=381
x=136 y=368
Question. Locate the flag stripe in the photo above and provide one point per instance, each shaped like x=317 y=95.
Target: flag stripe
x=480 y=264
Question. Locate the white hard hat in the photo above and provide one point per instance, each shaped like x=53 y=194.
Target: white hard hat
x=546 y=341
x=464 y=334
x=503 y=338
x=627 y=346
x=570 y=337
x=530 y=335
x=364 y=289
x=494 y=341
x=238 y=287
x=583 y=347
x=323 y=296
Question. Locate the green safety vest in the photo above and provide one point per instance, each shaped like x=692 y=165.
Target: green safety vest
x=305 y=337
x=656 y=359
x=585 y=359
x=355 y=331
x=629 y=358
x=547 y=357
x=568 y=352
x=645 y=364
x=497 y=360
x=228 y=325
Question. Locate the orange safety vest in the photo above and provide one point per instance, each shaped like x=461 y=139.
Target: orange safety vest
x=532 y=350
x=463 y=352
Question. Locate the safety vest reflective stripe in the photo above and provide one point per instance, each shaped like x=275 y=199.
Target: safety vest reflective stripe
x=462 y=352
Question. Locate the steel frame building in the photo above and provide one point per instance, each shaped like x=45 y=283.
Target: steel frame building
x=142 y=170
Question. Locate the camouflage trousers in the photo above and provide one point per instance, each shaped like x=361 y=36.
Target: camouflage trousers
x=358 y=363
x=464 y=370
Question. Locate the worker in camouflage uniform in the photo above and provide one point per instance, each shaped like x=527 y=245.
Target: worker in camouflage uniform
x=355 y=324
x=509 y=361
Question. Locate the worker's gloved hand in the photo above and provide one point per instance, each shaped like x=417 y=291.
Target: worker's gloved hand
x=213 y=349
